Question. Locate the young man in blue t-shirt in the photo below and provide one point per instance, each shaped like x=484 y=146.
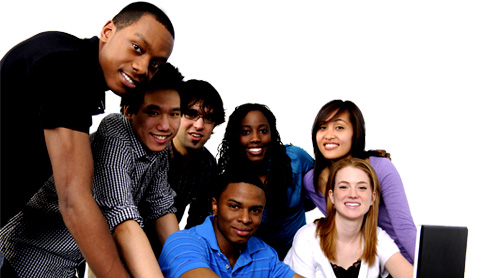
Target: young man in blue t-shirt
x=224 y=246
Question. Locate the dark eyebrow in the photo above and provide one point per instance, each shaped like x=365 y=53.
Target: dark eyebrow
x=235 y=201
x=259 y=206
x=148 y=47
x=153 y=107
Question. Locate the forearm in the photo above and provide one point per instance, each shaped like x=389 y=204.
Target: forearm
x=135 y=250
x=165 y=226
x=72 y=165
x=92 y=235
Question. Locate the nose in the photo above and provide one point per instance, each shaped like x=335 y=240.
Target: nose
x=163 y=123
x=329 y=134
x=141 y=66
x=255 y=137
x=199 y=123
x=353 y=192
x=244 y=216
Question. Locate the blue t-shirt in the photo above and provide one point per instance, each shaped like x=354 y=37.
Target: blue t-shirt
x=198 y=248
x=279 y=231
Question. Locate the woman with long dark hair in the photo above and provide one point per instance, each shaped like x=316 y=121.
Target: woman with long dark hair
x=339 y=132
x=252 y=141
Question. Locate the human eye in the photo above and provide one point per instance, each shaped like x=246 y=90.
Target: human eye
x=137 y=48
x=175 y=114
x=209 y=119
x=256 y=210
x=191 y=114
x=156 y=64
x=244 y=132
x=322 y=126
x=363 y=187
x=233 y=206
x=264 y=131
x=152 y=113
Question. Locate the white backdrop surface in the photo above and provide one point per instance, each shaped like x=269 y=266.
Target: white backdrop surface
x=417 y=70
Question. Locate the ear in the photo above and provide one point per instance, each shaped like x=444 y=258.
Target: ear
x=127 y=114
x=107 y=31
x=374 y=196
x=214 y=205
x=331 y=195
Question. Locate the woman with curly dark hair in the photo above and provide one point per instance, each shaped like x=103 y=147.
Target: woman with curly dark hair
x=252 y=141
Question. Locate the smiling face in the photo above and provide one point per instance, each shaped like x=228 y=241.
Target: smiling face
x=132 y=55
x=192 y=135
x=352 y=194
x=334 y=136
x=157 y=120
x=238 y=213
x=255 y=135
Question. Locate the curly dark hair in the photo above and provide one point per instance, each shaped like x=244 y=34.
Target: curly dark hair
x=276 y=165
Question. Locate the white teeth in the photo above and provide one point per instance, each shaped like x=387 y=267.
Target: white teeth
x=331 y=145
x=196 y=135
x=352 y=204
x=160 y=137
x=255 y=149
x=127 y=78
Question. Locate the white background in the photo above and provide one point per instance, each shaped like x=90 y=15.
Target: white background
x=417 y=70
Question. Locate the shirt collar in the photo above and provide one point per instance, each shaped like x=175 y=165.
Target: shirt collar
x=206 y=230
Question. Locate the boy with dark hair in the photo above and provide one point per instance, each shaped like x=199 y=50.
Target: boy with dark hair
x=58 y=82
x=224 y=246
x=192 y=167
x=130 y=185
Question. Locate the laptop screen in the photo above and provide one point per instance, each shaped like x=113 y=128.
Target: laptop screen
x=440 y=251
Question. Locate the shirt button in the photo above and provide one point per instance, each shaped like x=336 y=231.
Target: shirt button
x=227 y=266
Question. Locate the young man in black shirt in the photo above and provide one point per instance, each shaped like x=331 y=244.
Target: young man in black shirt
x=51 y=85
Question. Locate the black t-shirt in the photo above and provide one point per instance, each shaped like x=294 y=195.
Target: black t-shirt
x=50 y=80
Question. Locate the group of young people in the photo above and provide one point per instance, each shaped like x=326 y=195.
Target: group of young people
x=114 y=198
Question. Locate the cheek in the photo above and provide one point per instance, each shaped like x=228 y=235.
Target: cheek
x=243 y=141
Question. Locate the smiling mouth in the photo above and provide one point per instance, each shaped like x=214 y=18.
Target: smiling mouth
x=330 y=146
x=160 y=137
x=354 y=205
x=255 y=150
x=196 y=135
x=129 y=80
x=241 y=232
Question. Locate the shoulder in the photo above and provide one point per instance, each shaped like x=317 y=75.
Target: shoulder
x=383 y=238
x=114 y=132
x=208 y=156
x=308 y=231
x=381 y=164
x=299 y=156
x=113 y=125
x=292 y=150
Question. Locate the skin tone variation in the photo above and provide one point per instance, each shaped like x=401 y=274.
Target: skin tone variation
x=157 y=120
x=127 y=57
x=238 y=213
x=255 y=135
x=155 y=124
x=334 y=137
x=352 y=197
x=193 y=133
x=133 y=55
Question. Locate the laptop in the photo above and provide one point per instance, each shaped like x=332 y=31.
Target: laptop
x=440 y=252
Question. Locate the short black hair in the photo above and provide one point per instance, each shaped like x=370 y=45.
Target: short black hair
x=134 y=11
x=194 y=91
x=240 y=175
x=167 y=77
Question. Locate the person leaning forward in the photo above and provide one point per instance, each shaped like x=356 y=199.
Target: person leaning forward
x=59 y=82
